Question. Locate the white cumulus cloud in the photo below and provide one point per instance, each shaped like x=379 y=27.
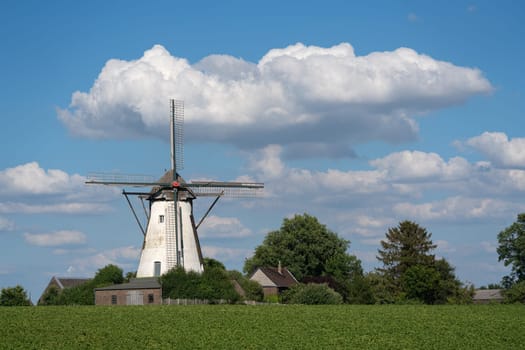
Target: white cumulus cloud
x=30 y=178
x=417 y=165
x=58 y=238
x=220 y=227
x=501 y=151
x=299 y=96
x=455 y=209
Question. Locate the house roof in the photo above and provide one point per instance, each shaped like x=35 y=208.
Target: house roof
x=488 y=294
x=135 y=283
x=284 y=278
x=68 y=282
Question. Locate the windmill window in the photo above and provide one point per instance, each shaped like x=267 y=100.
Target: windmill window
x=156 y=268
x=161 y=219
x=114 y=299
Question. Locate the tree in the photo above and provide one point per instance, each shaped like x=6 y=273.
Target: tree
x=14 y=296
x=210 y=263
x=50 y=297
x=109 y=274
x=511 y=250
x=306 y=248
x=516 y=293
x=411 y=272
x=252 y=290
x=406 y=245
x=130 y=275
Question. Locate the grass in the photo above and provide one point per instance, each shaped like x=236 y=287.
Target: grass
x=263 y=327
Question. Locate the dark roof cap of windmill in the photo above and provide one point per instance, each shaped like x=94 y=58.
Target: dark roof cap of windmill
x=167 y=178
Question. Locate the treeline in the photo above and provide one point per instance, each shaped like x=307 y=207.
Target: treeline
x=314 y=254
x=319 y=259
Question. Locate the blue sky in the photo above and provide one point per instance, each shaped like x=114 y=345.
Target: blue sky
x=361 y=114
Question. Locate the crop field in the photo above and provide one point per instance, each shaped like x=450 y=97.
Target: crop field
x=263 y=327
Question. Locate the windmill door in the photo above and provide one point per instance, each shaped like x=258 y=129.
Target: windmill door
x=135 y=297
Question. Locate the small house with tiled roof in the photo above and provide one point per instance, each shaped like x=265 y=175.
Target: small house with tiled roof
x=274 y=280
x=138 y=291
x=61 y=283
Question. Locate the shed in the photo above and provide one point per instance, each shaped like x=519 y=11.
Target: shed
x=274 y=280
x=485 y=296
x=138 y=291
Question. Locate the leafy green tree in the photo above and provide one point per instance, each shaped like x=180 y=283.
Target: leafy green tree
x=210 y=263
x=511 y=250
x=216 y=284
x=212 y=284
x=253 y=290
x=306 y=248
x=109 y=274
x=516 y=293
x=311 y=294
x=130 y=275
x=179 y=284
x=50 y=297
x=14 y=296
x=421 y=282
x=492 y=286
x=382 y=289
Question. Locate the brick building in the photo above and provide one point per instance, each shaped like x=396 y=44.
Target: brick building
x=139 y=291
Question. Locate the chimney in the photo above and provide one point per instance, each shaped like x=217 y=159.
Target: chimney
x=279 y=268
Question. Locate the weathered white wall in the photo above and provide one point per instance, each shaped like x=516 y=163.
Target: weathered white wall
x=160 y=240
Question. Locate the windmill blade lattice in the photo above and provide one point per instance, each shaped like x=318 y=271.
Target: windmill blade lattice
x=177 y=135
x=228 y=189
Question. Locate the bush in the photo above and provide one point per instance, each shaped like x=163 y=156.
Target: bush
x=311 y=294
x=14 y=296
x=212 y=284
x=516 y=293
x=253 y=290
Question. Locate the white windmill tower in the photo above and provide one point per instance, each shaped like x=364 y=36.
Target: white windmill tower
x=170 y=237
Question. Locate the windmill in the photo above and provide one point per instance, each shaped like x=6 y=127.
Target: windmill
x=170 y=237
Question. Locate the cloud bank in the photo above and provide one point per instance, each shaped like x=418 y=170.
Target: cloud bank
x=29 y=188
x=412 y=185
x=300 y=97
x=58 y=238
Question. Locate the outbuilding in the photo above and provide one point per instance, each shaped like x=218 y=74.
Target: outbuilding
x=139 y=291
x=486 y=296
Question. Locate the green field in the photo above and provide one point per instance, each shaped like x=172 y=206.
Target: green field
x=263 y=327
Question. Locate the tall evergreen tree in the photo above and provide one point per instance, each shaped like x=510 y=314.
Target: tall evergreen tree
x=412 y=272
x=406 y=245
